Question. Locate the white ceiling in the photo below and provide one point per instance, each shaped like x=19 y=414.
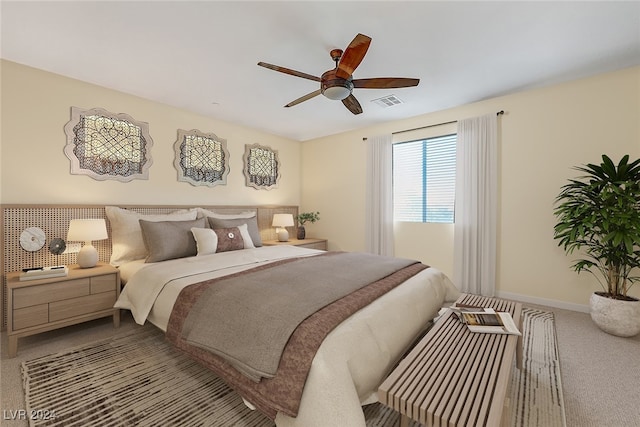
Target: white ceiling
x=201 y=55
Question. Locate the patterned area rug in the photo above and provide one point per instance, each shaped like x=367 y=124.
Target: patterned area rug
x=139 y=380
x=536 y=392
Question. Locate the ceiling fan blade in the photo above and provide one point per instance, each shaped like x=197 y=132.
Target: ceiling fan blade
x=304 y=98
x=352 y=104
x=289 y=71
x=353 y=55
x=385 y=83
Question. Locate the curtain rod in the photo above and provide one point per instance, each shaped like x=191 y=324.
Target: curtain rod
x=499 y=113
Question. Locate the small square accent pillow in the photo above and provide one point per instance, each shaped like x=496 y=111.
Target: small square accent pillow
x=252 y=227
x=229 y=239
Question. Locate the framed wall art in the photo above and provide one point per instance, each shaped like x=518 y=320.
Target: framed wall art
x=105 y=145
x=201 y=158
x=261 y=167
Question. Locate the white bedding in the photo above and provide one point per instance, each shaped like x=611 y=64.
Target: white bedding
x=381 y=331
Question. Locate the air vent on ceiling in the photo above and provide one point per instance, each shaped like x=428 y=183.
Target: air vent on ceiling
x=388 y=101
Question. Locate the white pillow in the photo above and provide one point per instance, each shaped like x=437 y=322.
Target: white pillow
x=206 y=213
x=244 y=232
x=126 y=234
x=206 y=240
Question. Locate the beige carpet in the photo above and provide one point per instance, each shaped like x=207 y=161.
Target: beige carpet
x=137 y=379
x=600 y=373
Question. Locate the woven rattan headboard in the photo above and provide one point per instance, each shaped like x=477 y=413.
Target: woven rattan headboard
x=54 y=221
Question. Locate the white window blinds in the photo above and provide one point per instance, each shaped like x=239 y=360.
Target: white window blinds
x=424 y=174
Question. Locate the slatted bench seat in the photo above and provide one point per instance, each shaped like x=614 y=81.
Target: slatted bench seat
x=454 y=377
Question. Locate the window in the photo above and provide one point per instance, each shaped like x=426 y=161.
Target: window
x=424 y=177
x=104 y=145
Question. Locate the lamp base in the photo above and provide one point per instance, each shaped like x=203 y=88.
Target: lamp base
x=283 y=234
x=88 y=256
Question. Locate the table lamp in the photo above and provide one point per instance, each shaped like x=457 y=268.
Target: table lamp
x=281 y=221
x=87 y=230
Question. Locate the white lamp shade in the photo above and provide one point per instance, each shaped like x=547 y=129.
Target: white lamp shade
x=87 y=230
x=282 y=220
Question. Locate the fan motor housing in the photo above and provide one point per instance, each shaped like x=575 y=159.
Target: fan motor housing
x=334 y=87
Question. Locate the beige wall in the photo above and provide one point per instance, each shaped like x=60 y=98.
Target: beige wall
x=35 y=107
x=544 y=133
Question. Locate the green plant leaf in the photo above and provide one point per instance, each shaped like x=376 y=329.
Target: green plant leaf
x=598 y=214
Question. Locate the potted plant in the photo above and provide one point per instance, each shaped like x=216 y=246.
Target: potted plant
x=599 y=213
x=302 y=219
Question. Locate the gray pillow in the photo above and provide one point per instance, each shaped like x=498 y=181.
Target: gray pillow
x=252 y=226
x=169 y=239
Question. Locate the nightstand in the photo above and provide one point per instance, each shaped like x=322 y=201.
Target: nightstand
x=305 y=243
x=40 y=305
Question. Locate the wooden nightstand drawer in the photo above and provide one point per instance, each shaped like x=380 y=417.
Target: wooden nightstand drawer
x=318 y=245
x=309 y=243
x=30 y=316
x=40 y=294
x=78 y=306
x=104 y=283
x=42 y=305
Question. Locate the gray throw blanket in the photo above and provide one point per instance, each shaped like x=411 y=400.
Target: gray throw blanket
x=248 y=319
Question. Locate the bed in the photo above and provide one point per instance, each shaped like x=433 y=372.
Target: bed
x=350 y=361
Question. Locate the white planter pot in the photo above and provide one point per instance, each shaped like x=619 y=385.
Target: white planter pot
x=616 y=317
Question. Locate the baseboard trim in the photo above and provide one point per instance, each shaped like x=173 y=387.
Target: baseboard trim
x=544 y=301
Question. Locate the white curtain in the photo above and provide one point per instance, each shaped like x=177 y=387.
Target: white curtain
x=474 y=264
x=379 y=196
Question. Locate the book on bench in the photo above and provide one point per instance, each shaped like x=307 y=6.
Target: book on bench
x=486 y=320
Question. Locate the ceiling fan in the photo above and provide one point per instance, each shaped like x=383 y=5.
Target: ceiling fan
x=338 y=83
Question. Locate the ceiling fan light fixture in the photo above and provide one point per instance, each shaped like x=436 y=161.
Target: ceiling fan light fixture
x=337 y=93
x=335 y=88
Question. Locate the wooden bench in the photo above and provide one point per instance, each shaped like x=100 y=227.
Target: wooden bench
x=454 y=377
